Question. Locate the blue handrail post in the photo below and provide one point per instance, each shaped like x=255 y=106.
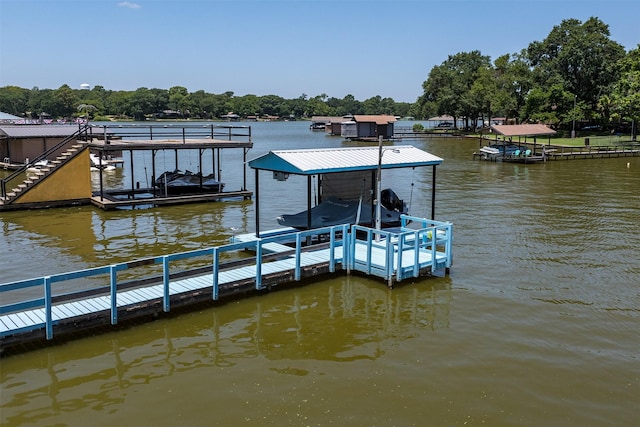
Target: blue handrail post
x=166 y=298
x=113 y=273
x=47 y=307
x=298 y=250
x=369 y=250
x=216 y=265
x=434 y=252
x=400 y=274
x=332 y=248
x=388 y=271
x=346 y=245
x=448 y=246
x=416 y=249
x=259 y=265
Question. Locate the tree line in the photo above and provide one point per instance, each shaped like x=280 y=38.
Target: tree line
x=576 y=75
x=178 y=103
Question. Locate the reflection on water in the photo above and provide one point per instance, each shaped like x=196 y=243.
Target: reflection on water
x=361 y=322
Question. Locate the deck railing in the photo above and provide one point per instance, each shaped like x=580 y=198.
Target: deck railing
x=593 y=150
x=337 y=237
x=428 y=242
x=425 y=237
x=181 y=132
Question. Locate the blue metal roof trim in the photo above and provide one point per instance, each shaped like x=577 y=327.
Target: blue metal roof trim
x=332 y=160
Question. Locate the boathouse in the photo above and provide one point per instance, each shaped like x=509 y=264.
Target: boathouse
x=21 y=143
x=60 y=175
x=368 y=127
x=334 y=124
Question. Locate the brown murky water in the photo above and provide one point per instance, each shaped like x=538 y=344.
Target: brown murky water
x=536 y=325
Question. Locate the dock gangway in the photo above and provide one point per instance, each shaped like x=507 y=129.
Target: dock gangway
x=107 y=295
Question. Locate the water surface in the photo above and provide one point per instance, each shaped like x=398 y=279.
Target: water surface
x=536 y=324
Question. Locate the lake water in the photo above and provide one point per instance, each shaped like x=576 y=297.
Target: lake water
x=537 y=324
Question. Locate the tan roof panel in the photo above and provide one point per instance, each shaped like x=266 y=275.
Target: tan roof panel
x=523 y=130
x=377 y=119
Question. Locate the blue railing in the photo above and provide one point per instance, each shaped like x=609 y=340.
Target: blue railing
x=337 y=237
x=376 y=252
x=427 y=237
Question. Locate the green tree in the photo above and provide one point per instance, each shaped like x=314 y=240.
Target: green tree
x=581 y=58
x=179 y=100
x=64 y=103
x=625 y=96
x=317 y=106
x=14 y=100
x=141 y=103
x=449 y=85
x=372 y=105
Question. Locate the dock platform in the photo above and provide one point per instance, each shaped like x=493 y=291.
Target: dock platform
x=222 y=272
x=110 y=200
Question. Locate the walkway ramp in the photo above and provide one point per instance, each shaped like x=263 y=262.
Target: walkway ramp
x=280 y=259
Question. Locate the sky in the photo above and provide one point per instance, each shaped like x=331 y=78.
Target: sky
x=363 y=48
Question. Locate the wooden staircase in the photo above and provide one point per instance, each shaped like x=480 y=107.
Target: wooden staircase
x=34 y=178
x=16 y=185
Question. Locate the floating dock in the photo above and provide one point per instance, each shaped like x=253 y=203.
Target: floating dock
x=543 y=153
x=281 y=258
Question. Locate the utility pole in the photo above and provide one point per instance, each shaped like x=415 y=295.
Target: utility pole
x=573 y=128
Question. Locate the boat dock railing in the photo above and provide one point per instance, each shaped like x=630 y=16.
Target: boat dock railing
x=34 y=313
x=407 y=251
x=84 y=299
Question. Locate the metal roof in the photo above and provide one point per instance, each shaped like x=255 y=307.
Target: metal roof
x=331 y=160
x=377 y=119
x=522 y=130
x=440 y=118
x=328 y=119
x=36 y=131
x=7 y=116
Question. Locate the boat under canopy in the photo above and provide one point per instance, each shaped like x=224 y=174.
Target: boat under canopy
x=335 y=169
x=335 y=211
x=178 y=182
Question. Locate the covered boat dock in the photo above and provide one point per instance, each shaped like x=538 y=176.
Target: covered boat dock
x=109 y=141
x=518 y=151
x=349 y=173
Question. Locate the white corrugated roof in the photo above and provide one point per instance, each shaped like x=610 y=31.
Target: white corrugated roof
x=7 y=116
x=330 y=160
x=32 y=131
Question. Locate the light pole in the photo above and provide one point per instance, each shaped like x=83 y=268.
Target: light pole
x=573 y=127
x=379 y=187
